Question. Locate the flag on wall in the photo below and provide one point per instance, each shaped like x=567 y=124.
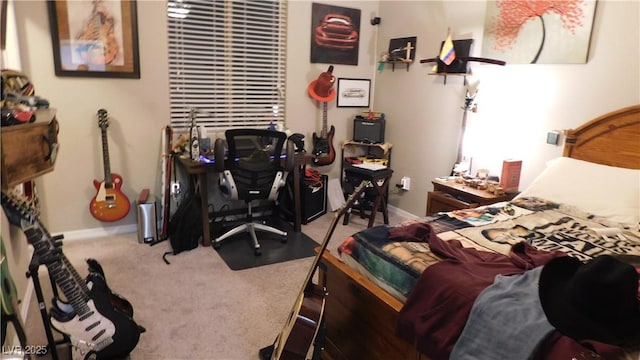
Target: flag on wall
x=448 y=53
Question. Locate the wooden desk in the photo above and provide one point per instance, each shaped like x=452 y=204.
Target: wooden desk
x=199 y=170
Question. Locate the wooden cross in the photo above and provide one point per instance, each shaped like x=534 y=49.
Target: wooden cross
x=409 y=48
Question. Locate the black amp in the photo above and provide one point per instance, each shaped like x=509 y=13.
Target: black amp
x=368 y=131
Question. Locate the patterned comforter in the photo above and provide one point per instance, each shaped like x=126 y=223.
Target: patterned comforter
x=396 y=255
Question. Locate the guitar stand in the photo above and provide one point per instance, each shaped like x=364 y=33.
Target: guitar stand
x=34 y=265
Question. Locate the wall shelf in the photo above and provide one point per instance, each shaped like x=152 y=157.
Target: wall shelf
x=394 y=62
x=450 y=74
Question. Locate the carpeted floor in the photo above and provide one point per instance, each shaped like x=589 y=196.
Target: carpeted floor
x=197 y=307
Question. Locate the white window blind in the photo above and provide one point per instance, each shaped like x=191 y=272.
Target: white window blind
x=227 y=61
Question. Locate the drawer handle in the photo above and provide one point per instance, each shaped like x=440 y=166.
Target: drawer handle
x=53 y=149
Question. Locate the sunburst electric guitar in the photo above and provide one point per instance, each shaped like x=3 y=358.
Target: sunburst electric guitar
x=323 y=151
x=297 y=339
x=96 y=326
x=109 y=204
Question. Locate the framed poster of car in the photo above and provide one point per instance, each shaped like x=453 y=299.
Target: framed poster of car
x=335 y=34
x=353 y=92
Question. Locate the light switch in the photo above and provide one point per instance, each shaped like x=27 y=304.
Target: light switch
x=553 y=137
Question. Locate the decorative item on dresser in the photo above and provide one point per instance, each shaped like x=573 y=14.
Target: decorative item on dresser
x=362 y=312
x=109 y=203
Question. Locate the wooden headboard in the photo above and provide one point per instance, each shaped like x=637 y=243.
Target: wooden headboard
x=611 y=139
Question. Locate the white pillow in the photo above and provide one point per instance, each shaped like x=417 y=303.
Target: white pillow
x=607 y=191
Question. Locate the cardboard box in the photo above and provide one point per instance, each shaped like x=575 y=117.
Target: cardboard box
x=510 y=178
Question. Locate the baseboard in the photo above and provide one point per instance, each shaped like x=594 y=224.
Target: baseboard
x=99 y=232
x=402 y=213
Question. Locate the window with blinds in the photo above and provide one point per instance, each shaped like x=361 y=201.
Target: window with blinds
x=227 y=63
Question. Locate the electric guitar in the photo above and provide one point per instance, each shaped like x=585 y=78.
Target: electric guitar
x=323 y=151
x=109 y=204
x=94 y=325
x=9 y=300
x=296 y=339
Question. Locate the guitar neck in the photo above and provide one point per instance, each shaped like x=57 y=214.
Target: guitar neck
x=338 y=214
x=58 y=270
x=324 y=119
x=105 y=159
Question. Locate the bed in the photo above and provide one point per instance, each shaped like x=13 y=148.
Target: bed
x=364 y=314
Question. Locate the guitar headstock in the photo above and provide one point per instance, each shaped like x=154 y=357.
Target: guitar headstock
x=103 y=119
x=17 y=210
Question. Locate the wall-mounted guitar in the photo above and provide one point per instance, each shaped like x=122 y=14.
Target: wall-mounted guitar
x=109 y=204
x=321 y=90
x=96 y=322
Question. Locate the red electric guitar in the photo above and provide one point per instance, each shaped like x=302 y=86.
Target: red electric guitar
x=109 y=204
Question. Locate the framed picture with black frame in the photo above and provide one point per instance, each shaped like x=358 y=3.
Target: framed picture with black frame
x=354 y=92
x=95 y=38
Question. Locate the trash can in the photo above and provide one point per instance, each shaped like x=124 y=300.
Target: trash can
x=147 y=221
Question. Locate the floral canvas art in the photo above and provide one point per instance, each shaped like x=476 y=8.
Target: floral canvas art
x=538 y=31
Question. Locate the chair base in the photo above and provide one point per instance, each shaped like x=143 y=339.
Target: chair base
x=251 y=228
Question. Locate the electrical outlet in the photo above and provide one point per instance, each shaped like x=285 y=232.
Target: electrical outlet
x=405 y=183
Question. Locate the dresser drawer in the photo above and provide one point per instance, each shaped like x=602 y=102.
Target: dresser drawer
x=29 y=150
x=438 y=201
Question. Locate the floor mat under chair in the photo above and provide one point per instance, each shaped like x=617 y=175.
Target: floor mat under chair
x=237 y=252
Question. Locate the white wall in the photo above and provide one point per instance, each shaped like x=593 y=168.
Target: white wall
x=517 y=103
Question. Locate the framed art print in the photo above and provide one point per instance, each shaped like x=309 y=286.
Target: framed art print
x=354 y=92
x=95 y=38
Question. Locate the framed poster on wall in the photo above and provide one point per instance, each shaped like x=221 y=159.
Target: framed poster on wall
x=95 y=38
x=335 y=34
x=354 y=92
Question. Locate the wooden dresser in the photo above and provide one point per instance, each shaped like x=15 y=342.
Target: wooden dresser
x=448 y=195
x=29 y=150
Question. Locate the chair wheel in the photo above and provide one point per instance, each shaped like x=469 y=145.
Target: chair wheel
x=257 y=252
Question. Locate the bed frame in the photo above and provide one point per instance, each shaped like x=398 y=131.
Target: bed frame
x=361 y=317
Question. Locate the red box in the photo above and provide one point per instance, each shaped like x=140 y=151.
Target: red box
x=510 y=178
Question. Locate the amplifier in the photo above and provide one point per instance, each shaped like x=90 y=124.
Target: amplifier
x=368 y=131
x=314 y=200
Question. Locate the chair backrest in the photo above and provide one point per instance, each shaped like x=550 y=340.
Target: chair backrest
x=254 y=163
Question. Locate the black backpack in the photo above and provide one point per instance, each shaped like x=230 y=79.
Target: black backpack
x=185 y=226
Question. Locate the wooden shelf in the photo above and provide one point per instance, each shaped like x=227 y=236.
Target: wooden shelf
x=450 y=74
x=394 y=62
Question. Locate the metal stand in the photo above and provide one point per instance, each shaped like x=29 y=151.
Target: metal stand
x=34 y=265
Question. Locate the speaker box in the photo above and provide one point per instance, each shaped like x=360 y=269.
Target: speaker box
x=314 y=200
x=368 y=131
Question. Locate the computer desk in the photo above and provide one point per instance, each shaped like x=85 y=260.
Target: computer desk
x=199 y=170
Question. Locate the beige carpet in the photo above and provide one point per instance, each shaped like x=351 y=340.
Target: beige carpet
x=197 y=308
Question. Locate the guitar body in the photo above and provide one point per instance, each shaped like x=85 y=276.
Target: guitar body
x=299 y=336
x=303 y=325
x=109 y=204
x=323 y=150
x=117 y=300
x=107 y=332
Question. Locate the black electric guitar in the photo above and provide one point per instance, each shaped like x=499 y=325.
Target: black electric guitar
x=323 y=151
x=296 y=339
x=94 y=325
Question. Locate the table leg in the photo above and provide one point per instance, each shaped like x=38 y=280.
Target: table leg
x=204 y=201
x=296 y=199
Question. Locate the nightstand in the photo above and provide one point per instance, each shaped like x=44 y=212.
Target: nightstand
x=448 y=195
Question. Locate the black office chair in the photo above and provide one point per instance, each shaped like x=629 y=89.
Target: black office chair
x=252 y=170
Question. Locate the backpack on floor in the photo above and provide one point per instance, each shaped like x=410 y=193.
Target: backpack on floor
x=185 y=226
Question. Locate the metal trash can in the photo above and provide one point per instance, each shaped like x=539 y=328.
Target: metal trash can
x=147 y=220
